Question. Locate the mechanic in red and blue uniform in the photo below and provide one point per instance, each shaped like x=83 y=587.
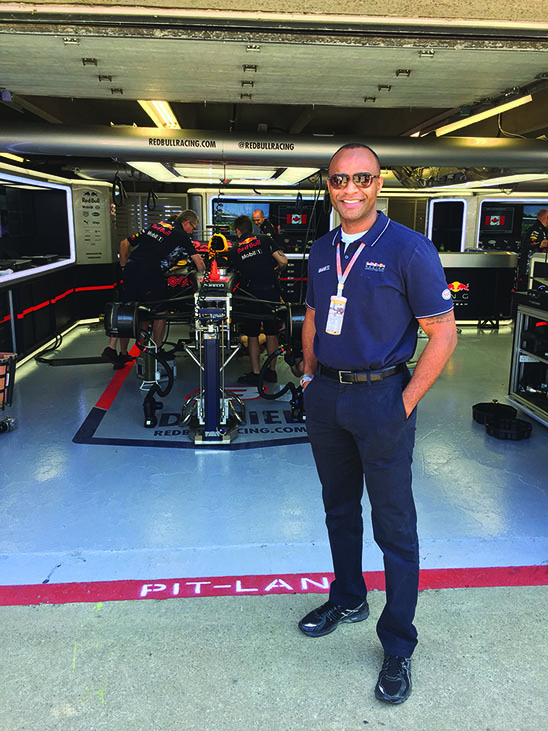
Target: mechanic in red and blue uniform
x=258 y=259
x=533 y=240
x=371 y=283
x=145 y=257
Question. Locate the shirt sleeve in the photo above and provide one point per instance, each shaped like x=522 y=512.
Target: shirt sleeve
x=535 y=236
x=188 y=245
x=134 y=238
x=427 y=290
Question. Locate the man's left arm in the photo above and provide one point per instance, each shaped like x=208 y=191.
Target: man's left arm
x=281 y=259
x=198 y=262
x=441 y=332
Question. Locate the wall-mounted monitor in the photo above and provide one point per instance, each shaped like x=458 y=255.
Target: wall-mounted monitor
x=497 y=220
x=225 y=210
x=530 y=215
x=36 y=227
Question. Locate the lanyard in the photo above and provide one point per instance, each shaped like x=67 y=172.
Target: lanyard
x=342 y=277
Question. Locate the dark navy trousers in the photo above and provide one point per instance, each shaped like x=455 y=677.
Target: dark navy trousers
x=361 y=430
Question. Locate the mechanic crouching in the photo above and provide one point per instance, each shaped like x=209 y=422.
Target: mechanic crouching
x=257 y=258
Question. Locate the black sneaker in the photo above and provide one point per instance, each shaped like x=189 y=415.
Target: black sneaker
x=270 y=376
x=110 y=355
x=124 y=358
x=394 y=683
x=249 y=379
x=324 y=619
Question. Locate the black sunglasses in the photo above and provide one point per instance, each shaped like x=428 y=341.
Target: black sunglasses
x=361 y=180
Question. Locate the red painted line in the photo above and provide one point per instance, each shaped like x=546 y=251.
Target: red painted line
x=128 y=590
x=112 y=390
x=93 y=289
x=60 y=296
x=21 y=315
x=7 y=318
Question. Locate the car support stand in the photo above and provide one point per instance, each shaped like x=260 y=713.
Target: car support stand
x=214 y=414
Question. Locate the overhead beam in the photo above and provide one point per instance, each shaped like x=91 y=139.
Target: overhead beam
x=302 y=120
x=146 y=144
x=34 y=109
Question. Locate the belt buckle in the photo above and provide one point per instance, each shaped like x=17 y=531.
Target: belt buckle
x=346 y=373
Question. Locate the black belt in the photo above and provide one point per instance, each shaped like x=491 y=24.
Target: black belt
x=359 y=376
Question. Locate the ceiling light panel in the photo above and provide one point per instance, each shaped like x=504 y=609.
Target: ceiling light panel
x=290 y=176
x=223 y=172
x=474 y=118
x=161 y=114
x=157 y=171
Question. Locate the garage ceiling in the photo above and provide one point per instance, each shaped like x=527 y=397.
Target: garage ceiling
x=251 y=77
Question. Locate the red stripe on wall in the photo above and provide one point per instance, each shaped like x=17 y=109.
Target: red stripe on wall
x=34 y=308
x=21 y=315
x=257 y=585
x=93 y=289
x=60 y=296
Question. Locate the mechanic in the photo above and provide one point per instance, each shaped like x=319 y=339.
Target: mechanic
x=371 y=282
x=256 y=258
x=264 y=225
x=533 y=240
x=145 y=257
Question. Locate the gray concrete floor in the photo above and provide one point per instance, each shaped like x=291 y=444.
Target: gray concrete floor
x=95 y=513
x=234 y=663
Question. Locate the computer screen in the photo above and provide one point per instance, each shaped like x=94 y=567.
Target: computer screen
x=497 y=220
x=530 y=215
x=225 y=210
x=293 y=219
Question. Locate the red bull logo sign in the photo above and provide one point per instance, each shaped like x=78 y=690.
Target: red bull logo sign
x=459 y=292
x=458 y=287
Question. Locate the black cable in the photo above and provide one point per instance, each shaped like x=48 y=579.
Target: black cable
x=56 y=344
x=203 y=290
x=288 y=386
x=151 y=200
x=118 y=191
x=303 y=261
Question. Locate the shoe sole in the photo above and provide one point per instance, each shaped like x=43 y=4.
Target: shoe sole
x=387 y=699
x=322 y=633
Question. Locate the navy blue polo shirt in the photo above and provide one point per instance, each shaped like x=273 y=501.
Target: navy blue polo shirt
x=397 y=279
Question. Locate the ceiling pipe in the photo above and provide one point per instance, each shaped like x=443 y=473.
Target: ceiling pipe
x=152 y=144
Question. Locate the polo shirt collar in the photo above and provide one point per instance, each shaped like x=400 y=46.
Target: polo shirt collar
x=370 y=237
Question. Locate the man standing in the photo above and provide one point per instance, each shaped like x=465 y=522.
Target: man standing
x=534 y=239
x=145 y=257
x=371 y=283
x=256 y=258
x=264 y=225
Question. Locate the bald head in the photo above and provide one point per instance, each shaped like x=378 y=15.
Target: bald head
x=375 y=168
x=542 y=216
x=258 y=217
